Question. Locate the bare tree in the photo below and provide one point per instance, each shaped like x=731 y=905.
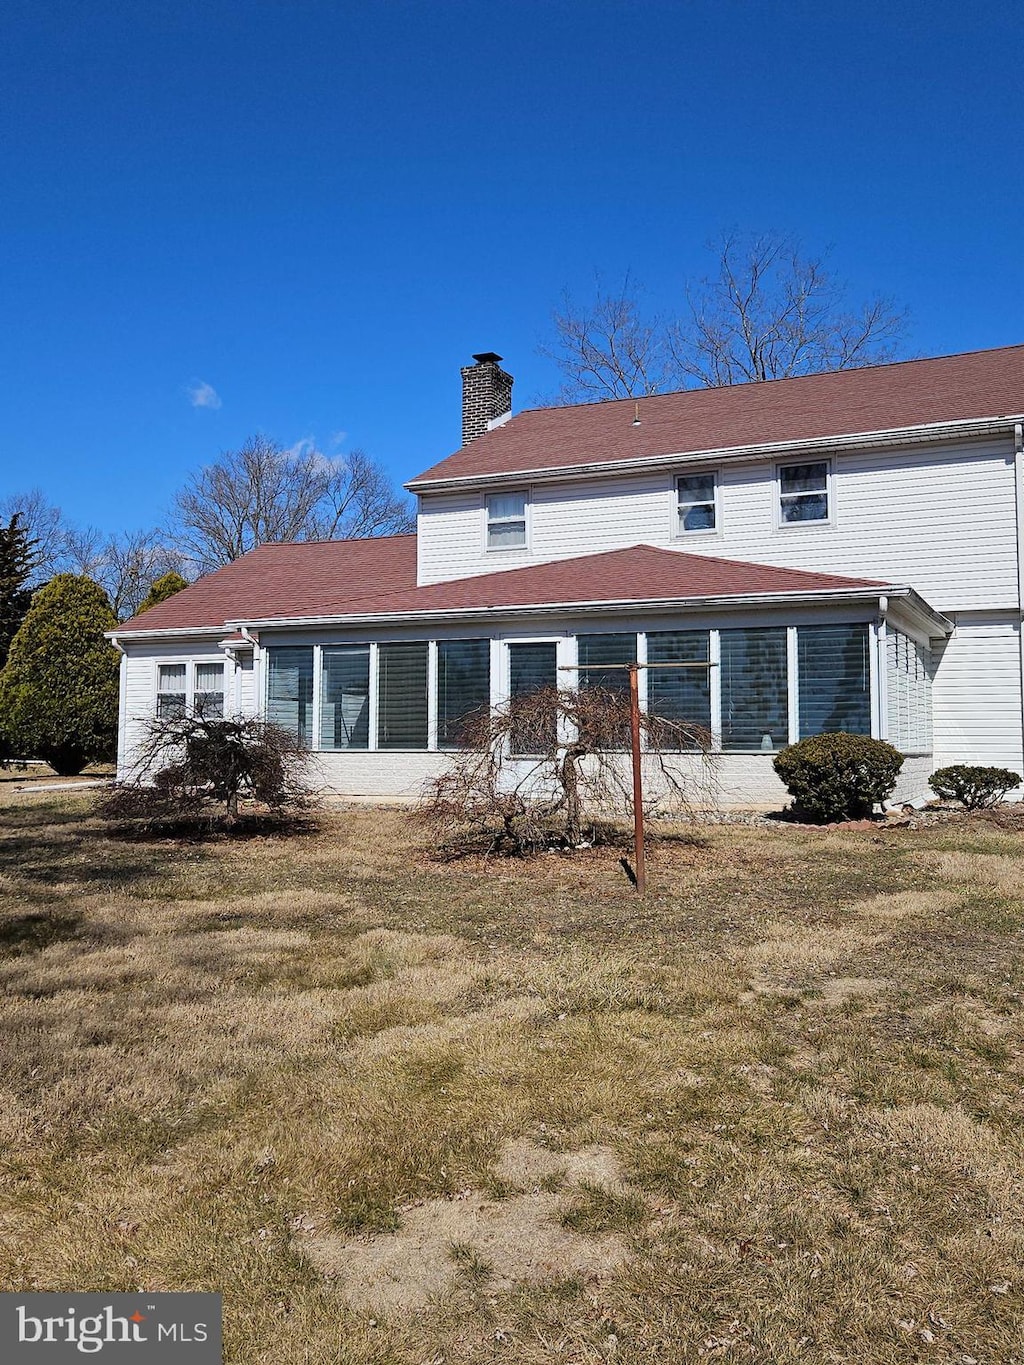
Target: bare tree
x=263 y=493
x=125 y=564
x=610 y=351
x=45 y=526
x=547 y=769
x=768 y=311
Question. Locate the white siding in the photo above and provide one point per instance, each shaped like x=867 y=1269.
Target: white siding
x=894 y=516
x=140 y=689
x=977 y=694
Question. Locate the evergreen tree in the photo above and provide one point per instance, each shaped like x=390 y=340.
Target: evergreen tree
x=160 y=589
x=58 y=689
x=16 y=563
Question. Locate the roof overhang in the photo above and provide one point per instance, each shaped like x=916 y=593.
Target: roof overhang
x=869 y=595
x=933 y=433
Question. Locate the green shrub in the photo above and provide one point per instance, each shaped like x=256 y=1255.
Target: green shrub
x=838 y=776
x=58 y=689
x=161 y=589
x=973 y=786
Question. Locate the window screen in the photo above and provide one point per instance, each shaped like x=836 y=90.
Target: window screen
x=345 y=697
x=532 y=668
x=679 y=694
x=402 y=696
x=209 y=695
x=463 y=686
x=755 y=704
x=290 y=689
x=170 y=690
x=835 y=686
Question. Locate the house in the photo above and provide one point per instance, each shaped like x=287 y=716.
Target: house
x=843 y=551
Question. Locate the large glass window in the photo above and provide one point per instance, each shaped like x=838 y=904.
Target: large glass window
x=209 y=692
x=290 y=689
x=755 y=692
x=696 y=503
x=610 y=650
x=532 y=668
x=835 y=679
x=402 y=696
x=170 y=690
x=681 y=695
x=345 y=697
x=803 y=492
x=463 y=686
x=506 y=521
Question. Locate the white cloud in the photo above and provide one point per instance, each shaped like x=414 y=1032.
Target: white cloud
x=203 y=395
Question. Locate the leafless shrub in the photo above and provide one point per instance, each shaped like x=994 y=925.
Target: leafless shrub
x=553 y=769
x=191 y=772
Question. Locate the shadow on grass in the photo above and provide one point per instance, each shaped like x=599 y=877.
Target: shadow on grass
x=33 y=932
x=201 y=829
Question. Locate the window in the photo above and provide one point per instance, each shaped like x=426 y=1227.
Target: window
x=835 y=679
x=209 y=691
x=345 y=697
x=290 y=690
x=531 y=668
x=171 y=690
x=606 y=649
x=402 y=696
x=680 y=694
x=506 y=521
x=696 y=502
x=755 y=690
x=463 y=686
x=803 y=492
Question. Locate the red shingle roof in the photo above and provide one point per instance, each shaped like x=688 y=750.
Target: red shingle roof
x=378 y=578
x=980 y=384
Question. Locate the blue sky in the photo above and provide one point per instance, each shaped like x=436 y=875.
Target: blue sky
x=320 y=210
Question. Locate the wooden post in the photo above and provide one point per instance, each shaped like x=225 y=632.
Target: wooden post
x=638 y=785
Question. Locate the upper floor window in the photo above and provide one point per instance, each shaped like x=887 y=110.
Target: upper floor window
x=506 y=521
x=697 y=502
x=803 y=492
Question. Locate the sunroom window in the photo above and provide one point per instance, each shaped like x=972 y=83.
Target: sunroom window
x=835 y=679
x=463 y=687
x=506 y=521
x=681 y=695
x=696 y=503
x=532 y=668
x=803 y=492
x=290 y=689
x=755 y=688
x=402 y=696
x=345 y=697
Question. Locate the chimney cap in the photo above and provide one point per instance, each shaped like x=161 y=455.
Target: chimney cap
x=487 y=358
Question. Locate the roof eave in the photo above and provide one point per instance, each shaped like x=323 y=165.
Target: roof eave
x=869 y=593
x=926 y=434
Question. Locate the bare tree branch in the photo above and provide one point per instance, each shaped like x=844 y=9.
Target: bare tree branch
x=262 y=493
x=766 y=312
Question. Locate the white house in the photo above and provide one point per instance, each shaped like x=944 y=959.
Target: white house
x=843 y=550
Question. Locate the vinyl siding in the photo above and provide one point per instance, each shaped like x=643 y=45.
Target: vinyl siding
x=893 y=517
x=977 y=694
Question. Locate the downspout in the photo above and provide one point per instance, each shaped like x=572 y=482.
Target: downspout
x=1018 y=476
x=882 y=669
x=122 y=704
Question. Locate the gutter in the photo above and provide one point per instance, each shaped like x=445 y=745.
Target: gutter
x=116 y=637
x=930 y=433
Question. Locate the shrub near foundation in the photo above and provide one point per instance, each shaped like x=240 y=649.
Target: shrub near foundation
x=974 y=786
x=838 y=776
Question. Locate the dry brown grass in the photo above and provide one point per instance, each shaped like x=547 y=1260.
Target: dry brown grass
x=771 y=1113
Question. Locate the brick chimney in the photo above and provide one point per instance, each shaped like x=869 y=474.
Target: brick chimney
x=486 y=395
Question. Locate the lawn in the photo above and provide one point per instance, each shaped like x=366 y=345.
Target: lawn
x=404 y=1111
